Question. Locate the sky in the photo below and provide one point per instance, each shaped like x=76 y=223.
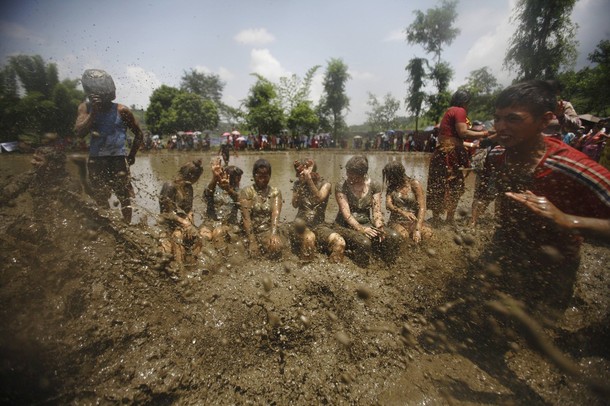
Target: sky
x=145 y=44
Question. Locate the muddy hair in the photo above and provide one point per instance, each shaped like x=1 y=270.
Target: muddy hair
x=394 y=175
x=192 y=170
x=55 y=157
x=537 y=96
x=234 y=172
x=358 y=164
x=460 y=98
x=261 y=163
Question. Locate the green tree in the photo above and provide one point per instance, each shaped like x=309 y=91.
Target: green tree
x=303 y=119
x=433 y=30
x=484 y=87
x=544 y=40
x=335 y=99
x=159 y=104
x=382 y=115
x=207 y=85
x=264 y=113
x=194 y=113
x=292 y=90
x=416 y=76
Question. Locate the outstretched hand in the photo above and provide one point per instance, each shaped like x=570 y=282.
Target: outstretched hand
x=541 y=206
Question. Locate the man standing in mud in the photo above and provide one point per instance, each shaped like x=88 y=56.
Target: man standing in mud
x=533 y=257
x=107 y=123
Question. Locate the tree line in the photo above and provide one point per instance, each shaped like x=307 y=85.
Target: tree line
x=34 y=101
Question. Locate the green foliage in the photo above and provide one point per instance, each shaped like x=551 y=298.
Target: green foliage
x=264 y=113
x=292 y=90
x=433 y=29
x=382 y=116
x=416 y=77
x=171 y=110
x=46 y=105
x=589 y=88
x=207 y=85
x=544 y=40
x=484 y=87
x=335 y=99
x=303 y=119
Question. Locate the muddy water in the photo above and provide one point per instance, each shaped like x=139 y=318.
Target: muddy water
x=89 y=314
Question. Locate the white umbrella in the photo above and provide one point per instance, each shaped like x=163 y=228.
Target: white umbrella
x=235 y=132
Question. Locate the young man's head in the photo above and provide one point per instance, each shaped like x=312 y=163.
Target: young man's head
x=523 y=110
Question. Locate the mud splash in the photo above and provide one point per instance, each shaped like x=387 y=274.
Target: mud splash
x=90 y=314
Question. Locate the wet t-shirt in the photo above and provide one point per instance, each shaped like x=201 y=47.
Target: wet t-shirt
x=261 y=206
x=111 y=133
x=221 y=206
x=404 y=201
x=360 y=208
x=309 y=209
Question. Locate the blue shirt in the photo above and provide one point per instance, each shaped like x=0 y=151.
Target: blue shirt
x=112 y=133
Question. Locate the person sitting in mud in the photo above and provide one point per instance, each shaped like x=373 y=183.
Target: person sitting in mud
x=310 y=197
x=222 y=200
x=406 y=202
x=360 y=219
x=261 y=205
x=538 y=256
x=176 y=206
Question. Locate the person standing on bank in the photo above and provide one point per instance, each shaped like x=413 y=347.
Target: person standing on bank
x=445 y=179
x=107 y=123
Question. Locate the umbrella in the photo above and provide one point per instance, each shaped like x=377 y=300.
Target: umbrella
x=226 y=134
x=589 y=117
x=241 y=138
x=235 y=132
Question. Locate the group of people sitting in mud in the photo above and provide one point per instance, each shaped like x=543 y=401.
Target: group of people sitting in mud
x=253 y=213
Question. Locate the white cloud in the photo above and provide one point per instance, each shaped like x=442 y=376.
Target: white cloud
x=265 y=64
x=202 y=69
x=136 y=86
x=254 y=36
x=225 y=74
x=19 y=32
x=357 y=75
x=395 y=35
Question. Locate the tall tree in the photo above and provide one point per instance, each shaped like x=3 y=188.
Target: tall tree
x=159 y=105
x=194 y=113
x=544 y=40
x=336 y=101
x=416 y=76
x=292 y=90
x=207 y=85
x=303 y=119
x=382 y=115
x=483 y=86
x=434 y=30
x=264 y=114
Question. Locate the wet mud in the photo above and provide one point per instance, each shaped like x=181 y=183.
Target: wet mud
x=90 y=313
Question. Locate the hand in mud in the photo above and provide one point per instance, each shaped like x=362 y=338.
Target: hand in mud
x=274 y=243
x=417 y=236
x=372 y=233
x=409 y=216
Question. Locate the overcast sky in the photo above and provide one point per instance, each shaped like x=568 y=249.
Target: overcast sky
x=144 y=44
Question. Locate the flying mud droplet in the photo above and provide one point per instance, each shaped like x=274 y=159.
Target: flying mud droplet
x=363 y=292
x=343 y=338
x=552 y=253
x=273 y=319
x=347 y=378
x=493 y=269
x=267 y=283
x=468 y=239
x=431 y=252
x=305 y=320
x=287 y=267
x=458 y=240
x=333 y=317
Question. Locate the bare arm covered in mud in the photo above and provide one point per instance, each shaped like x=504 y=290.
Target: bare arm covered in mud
x=590 y=226
x=131 y=123
x=84 y=119
x=276 y=209
x=351 y=221
x=246 y=210
x=464 y=132
x=319 y=195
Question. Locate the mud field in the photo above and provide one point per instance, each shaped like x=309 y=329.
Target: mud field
x=91 y=314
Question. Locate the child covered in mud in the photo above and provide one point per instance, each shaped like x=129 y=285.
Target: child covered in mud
x=261 y=205
x=176 y=206
x=360 y=220
x=310 y=196
x=538 y=255
x=222 y=201
x=406 y=202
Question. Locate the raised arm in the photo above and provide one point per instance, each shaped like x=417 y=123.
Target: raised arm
x=84 y=119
